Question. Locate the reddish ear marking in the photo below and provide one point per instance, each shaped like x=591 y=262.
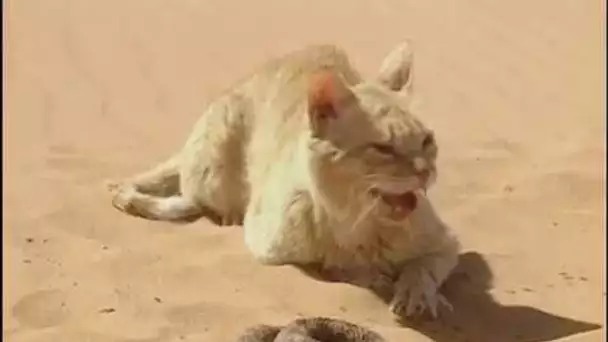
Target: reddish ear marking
x=322 y=93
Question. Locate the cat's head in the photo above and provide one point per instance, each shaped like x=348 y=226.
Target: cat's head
x=367 y=141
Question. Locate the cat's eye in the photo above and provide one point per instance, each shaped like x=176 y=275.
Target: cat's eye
x=384 y=149
x=428 y=141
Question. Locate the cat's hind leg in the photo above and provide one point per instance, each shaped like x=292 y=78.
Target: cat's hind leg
x=162 y=180
x=155 y=195
x=213 y=165
x=204 y=179
x=177 y=209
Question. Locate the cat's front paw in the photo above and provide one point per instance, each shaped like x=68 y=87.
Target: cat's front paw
x=416 y=293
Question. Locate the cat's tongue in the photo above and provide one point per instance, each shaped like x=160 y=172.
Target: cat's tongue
x=402 y=204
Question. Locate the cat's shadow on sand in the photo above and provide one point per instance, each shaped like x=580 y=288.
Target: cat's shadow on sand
x=477 y=317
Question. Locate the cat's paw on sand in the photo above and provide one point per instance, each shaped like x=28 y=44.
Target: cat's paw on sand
x=416 y=293
x=125 y=200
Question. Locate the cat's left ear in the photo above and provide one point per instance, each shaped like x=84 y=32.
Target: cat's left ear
x=327 y=97
x=396 y=70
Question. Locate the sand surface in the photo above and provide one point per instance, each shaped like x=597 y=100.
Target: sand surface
x=96 y=90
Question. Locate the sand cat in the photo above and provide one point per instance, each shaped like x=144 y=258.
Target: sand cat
x=322 y=168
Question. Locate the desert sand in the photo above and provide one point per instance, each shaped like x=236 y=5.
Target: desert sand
x=97 y=90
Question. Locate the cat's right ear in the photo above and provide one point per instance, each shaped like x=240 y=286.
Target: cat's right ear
x=396 y=70
x=326 y=97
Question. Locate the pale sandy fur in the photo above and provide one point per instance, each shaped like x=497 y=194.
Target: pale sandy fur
x=289 y=152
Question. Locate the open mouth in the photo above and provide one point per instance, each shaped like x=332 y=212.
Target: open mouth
x=401 y=204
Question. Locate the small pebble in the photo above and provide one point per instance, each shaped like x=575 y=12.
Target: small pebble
x=107 y=310
x=583 y=278
x=158 y=300
x=527 y=289
x=27 y=261
x=29 y=240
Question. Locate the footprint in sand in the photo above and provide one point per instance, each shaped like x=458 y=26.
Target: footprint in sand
x=42 y=309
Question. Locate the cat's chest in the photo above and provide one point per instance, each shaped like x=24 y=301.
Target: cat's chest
x=377 y=246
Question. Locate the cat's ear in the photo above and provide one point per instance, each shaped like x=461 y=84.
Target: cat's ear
x=396 y=69
x=327 y=95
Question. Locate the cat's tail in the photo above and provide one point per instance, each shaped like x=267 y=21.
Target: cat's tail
x=155 y=195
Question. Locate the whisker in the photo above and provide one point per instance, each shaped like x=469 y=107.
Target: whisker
x=364 y=213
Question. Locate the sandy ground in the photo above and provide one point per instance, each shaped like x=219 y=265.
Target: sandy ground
x=103 y=89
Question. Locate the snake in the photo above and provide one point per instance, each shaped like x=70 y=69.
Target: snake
x=311 y=329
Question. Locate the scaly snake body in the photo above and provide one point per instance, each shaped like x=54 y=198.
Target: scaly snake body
x=314 y=329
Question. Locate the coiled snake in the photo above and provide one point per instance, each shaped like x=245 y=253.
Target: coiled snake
x=313 y=329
